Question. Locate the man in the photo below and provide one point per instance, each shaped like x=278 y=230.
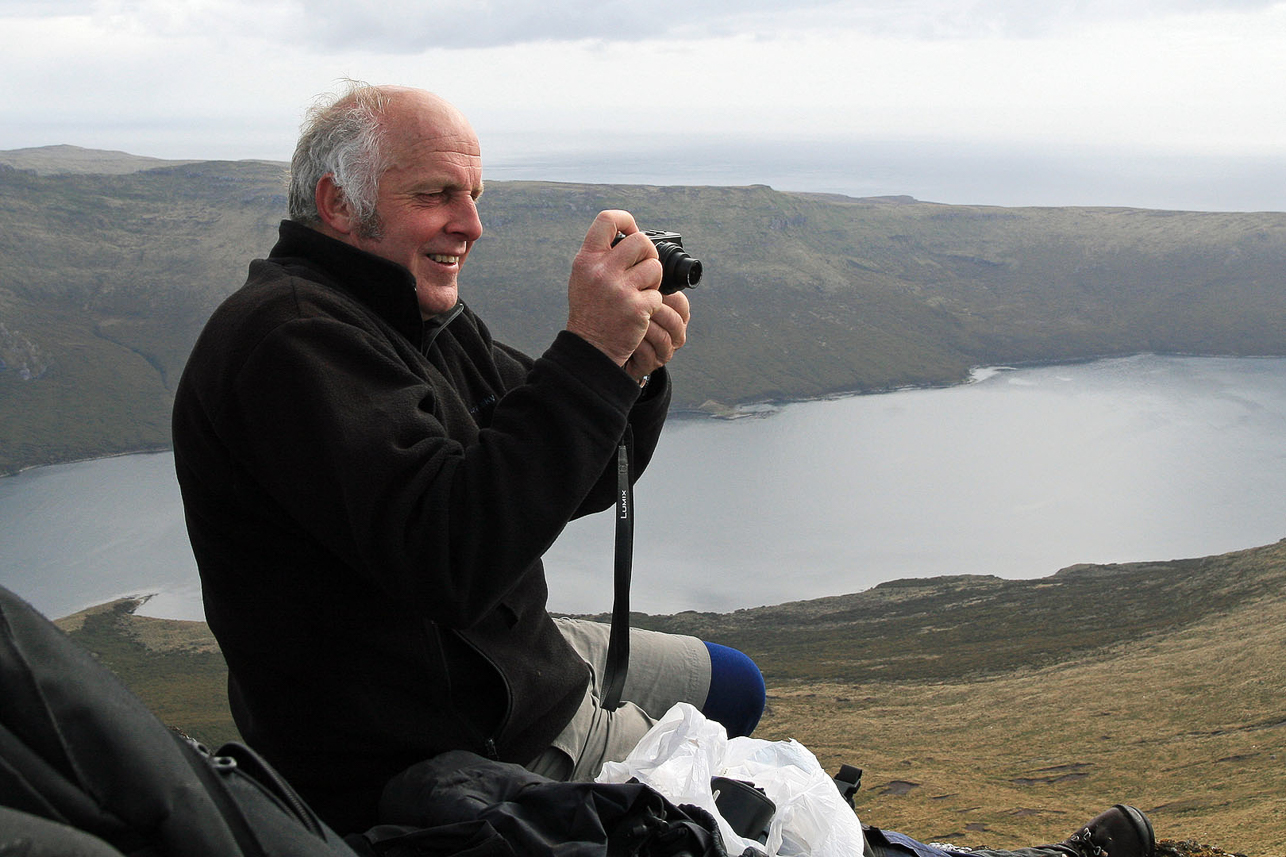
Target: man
x=370 y=480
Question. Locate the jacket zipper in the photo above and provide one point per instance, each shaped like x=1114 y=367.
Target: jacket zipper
x=426 y=342
x=487 y=743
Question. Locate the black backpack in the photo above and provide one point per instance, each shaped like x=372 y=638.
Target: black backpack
x=504 y=810
x=81 y=756
x=86 y=770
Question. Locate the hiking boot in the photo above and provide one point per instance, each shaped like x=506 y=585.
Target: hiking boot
x=1121 y=831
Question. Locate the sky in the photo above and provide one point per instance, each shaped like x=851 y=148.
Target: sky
x=1151 y=103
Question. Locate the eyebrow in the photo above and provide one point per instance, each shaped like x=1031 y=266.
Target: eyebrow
x=446 y=186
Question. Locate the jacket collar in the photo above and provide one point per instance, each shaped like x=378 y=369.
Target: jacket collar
x=384 y=286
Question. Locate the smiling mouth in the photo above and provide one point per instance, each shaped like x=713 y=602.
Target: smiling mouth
x=442 y=259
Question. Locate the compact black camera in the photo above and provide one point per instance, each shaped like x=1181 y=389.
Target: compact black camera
x=678 y=269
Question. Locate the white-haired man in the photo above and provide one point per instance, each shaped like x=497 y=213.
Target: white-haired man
x=370 y=480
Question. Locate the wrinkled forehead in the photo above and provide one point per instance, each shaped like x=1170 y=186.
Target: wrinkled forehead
x=419 y=121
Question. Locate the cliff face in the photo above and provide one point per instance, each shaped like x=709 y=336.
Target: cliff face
x=20 y=355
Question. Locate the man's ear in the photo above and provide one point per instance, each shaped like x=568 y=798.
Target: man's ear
x=333 y=206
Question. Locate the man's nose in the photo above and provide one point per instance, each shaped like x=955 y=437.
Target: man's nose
x=465 y=220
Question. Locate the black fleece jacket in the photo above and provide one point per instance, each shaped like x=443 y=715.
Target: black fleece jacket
x=368 y=497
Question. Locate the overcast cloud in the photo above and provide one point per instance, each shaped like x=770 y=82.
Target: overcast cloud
x=1112 y=95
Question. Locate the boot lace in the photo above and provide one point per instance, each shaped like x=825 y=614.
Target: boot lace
x=1084 y=846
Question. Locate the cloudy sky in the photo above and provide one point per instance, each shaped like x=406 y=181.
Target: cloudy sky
x=1157 y=103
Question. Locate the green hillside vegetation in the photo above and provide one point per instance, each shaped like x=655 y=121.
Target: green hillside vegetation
x=107 y=277
x=984 y=711
x=174 y=666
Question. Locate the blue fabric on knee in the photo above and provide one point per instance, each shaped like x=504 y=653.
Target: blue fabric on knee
x=900 y=843
x=737 y=694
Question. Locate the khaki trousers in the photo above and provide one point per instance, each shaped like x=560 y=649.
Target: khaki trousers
x=664 y=669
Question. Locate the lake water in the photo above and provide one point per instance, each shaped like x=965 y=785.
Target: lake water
x=1018 y=474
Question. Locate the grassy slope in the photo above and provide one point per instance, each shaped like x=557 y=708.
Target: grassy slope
x=174 y=666
x=983 y=711
x=1185 y=721
x=105 y=281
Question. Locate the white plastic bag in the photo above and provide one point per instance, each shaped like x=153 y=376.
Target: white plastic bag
x=684 y=751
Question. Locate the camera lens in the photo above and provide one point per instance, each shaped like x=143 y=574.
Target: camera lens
x=679 y=270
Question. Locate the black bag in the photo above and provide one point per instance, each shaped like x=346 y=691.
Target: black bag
x=495 y=809
x=80 y=752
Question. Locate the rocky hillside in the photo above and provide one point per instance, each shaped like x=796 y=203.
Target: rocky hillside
x=107 y=274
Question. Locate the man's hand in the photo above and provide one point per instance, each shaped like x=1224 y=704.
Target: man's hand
x=666 y=333
x=613 y=298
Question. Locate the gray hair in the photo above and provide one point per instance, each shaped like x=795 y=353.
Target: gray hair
x=341 y=137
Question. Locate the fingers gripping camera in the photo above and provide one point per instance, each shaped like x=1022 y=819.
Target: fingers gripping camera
x=679 y=270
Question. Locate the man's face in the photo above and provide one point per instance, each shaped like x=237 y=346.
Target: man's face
x=426 y=203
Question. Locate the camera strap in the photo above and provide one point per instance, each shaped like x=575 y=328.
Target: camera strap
x=618 y=645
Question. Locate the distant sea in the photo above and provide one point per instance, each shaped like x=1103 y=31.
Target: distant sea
x=1018 y=474
x=933 y=171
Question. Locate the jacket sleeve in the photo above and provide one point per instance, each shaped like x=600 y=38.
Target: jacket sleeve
x=646 y=419
x=354 y=449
